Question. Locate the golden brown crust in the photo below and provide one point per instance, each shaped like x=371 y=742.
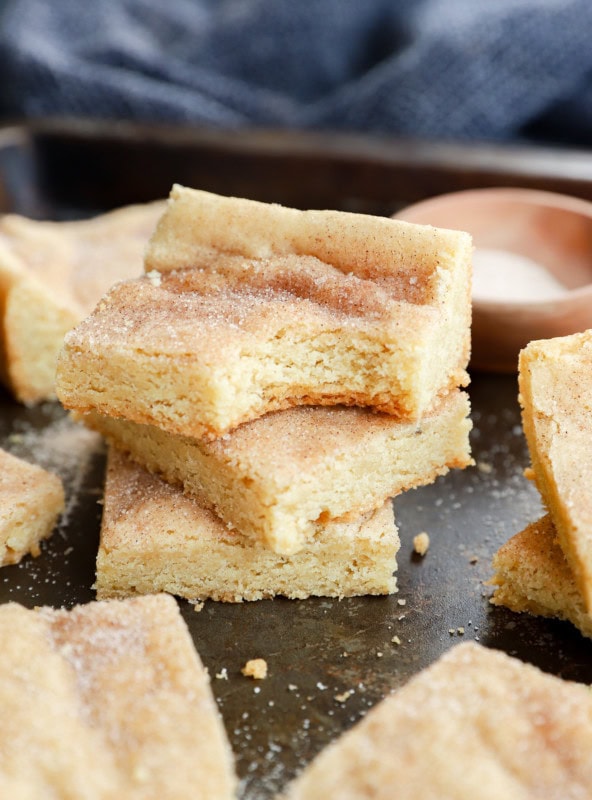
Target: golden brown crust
x=555 y=381
x=532 y=574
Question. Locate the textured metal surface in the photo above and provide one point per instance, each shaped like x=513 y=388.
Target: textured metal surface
x=320 y=650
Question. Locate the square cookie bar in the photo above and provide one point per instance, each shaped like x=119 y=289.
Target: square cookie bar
x=31 y=499
x=476 y=724
x=249 y=308
x=276 y=478
x=532 y=574
x=108 y=700
x=555 y=381
x=153 y=539
x=52 y=274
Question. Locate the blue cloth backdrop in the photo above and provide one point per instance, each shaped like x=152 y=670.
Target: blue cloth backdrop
x=447 y=69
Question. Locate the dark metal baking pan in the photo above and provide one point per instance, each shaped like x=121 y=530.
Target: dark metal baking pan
x=316 y=649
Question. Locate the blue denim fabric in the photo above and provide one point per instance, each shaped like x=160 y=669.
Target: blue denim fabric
x=451 y=69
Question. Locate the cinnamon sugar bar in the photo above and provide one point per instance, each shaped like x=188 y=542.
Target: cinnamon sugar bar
x=249 y=308
x=154 y=539
x=31 y=499
x=52 y=274
x=477 y=724
x=532 y=575
x=555 y=381
x=108 y=700
x=276 y=478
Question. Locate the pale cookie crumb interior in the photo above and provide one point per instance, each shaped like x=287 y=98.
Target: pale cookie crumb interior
x=153 y=539
x=228 y=335
x=275 y=478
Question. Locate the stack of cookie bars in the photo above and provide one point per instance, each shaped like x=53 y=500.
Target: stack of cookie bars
x=266 y=386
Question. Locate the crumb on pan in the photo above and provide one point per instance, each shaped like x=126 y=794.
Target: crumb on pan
x=421 y=542
x=255 y=668
x=154 y=277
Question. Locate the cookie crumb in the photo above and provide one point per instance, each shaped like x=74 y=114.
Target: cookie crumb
x=421 y=543
x=344 y=697
x=484 y=467
x=154 y=277
x=402 y=602
x=255 y=668
x=396 y=640
x=222 y=675
x=198 y=606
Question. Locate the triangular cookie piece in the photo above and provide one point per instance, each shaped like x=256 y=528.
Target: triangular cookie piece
x=532 y=574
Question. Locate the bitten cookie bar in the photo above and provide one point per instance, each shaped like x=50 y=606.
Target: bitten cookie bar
x=108 y=700
x=154 y=539
x=555 y=381
x=277 y=477
x=52 y=274
x=30 y=501
x=532 y=574
x=477 y=724
x=250 y=308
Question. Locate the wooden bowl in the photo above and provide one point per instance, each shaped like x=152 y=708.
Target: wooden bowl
x=552 y=230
